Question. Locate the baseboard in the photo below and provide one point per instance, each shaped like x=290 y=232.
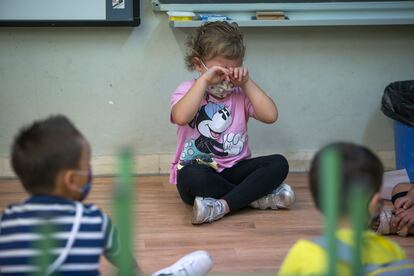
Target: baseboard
x=160 y=163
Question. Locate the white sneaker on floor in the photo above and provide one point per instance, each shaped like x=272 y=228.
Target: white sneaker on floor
x=280 y=198
x=197 y=263
x=207 y=209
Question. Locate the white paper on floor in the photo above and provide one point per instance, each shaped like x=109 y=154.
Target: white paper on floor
x=391 y=179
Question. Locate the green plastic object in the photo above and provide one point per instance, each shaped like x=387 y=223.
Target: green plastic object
x=124 y=213
x=330 y=181
x=358 y=209
x=45 y=244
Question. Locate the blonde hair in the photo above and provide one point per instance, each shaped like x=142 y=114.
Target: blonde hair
x=212 y=39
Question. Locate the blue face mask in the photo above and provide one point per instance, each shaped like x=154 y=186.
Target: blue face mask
x=87 y=187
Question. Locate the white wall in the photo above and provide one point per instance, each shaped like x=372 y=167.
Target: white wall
x=327 y=83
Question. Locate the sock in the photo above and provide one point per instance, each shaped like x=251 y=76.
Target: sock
x=225 y=206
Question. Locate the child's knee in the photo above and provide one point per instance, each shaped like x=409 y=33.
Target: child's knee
x=185 y=194
x=280 y=164
x=285 y=164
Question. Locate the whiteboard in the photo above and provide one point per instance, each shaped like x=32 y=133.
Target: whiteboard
x=69 y=12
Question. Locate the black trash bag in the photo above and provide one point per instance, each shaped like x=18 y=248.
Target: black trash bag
x=398 y=101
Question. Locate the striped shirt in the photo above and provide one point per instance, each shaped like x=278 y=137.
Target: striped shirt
x=20 y=233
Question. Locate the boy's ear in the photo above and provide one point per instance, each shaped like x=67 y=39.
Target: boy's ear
x=375 y=204
x=68 y=180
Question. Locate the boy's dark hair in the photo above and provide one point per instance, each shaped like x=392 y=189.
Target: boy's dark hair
x=359 y=166
x=44 y=148
x=218 y=38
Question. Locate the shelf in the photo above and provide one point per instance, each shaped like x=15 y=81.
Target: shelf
x=298 y=23
x=159 y=5
x=302 y=14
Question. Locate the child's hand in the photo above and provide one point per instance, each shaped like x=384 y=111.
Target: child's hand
x=216 y=74
x=239 y=75
x=404 y=202
x=403 y=217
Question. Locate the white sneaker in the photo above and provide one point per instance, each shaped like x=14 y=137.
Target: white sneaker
x=281 y=197
x=207 y=209
x=197 y=263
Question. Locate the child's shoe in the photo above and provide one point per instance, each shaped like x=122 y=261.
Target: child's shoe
x=197 y=263
x=207 y=210
x=281 y=197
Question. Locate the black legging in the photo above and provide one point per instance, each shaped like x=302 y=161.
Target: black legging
x=239 y=185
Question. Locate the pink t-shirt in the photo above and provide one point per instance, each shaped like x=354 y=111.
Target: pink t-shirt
x=217 y=136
